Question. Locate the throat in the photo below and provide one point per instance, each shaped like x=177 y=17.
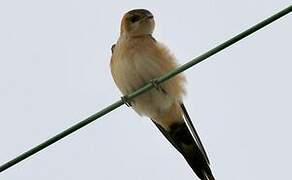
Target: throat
x=137 y=43
x=136 y=37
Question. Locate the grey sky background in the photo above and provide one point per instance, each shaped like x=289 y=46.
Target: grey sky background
x=54 y=72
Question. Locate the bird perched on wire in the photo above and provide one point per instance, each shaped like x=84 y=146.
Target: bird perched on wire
x=137 y=59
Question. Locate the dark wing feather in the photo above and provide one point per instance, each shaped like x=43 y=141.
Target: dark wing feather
x=183 y=136
x=193 y=131
x=168 y=137
x=113 y=48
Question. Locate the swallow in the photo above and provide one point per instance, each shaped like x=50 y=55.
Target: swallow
x=137 y=58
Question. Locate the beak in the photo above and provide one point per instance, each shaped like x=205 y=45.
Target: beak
x=148 y=16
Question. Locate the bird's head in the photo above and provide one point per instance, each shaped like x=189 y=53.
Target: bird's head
x=137 y=22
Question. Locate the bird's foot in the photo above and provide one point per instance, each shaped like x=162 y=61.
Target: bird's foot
x=157 y=86
x=126 y=100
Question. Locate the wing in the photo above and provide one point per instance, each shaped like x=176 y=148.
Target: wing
x=168 y=137
x=113 y=48
x=184 y=137
x=193 y=131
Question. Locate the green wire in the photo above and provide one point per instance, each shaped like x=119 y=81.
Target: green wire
x=145 y=88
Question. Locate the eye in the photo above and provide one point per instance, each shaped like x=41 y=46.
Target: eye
x=134 y=18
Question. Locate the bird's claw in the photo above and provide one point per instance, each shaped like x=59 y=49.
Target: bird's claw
x=126 y=100
x=157 y=86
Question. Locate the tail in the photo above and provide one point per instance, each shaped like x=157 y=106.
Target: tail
x=185 y=139
x=191 y=151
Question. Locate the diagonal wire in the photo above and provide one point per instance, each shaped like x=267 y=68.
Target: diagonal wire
x=145 y=88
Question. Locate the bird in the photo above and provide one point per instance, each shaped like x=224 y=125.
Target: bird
x=137 y=59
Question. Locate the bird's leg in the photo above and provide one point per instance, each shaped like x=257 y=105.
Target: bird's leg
x=126 y=100
x=157 y=86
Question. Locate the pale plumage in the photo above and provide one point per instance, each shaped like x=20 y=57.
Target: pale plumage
x=136 y=60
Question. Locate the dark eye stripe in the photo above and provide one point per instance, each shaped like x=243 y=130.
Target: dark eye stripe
x=134 y=18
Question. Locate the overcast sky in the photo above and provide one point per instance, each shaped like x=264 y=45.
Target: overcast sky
x=54 y=72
